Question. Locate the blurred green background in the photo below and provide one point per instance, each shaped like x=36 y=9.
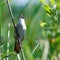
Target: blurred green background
x=34 y=14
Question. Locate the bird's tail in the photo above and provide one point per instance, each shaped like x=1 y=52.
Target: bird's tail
x=17 y=47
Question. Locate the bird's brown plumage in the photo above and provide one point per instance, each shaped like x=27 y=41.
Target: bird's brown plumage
x=17 y=46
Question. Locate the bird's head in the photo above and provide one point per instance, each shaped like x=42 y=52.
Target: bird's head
x=21 y=16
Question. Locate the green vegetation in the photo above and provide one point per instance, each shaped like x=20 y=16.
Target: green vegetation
x=43 y=23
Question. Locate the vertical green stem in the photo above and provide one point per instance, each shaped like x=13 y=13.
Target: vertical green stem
x=0 y=28
x=8 y=40
x=22 y=53
x=18 y=57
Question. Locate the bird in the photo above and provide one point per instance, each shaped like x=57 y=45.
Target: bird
x=20 y=34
